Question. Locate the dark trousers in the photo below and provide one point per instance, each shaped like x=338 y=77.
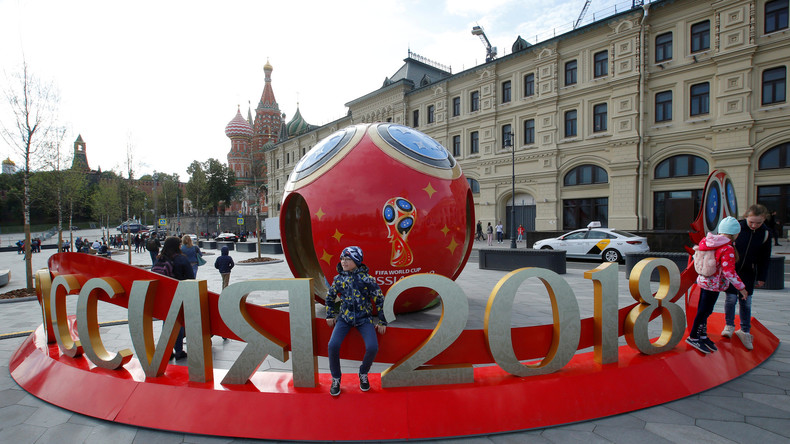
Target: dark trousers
x=707 y=300
x=368 y=332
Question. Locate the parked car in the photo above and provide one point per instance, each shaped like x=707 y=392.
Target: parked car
x=227 y=237
x=595 y=242
x=130 y=226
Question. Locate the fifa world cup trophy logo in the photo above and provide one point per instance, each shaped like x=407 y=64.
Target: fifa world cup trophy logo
x=399 y=215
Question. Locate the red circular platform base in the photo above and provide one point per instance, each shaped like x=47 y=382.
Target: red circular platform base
x=270 y=407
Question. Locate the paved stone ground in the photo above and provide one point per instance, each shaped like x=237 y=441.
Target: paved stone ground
x=749 y=409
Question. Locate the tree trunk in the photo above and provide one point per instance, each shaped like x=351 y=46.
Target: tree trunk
x=28 y=250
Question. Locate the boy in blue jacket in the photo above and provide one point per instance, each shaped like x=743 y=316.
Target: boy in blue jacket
x=357 y=291
x=224 y=263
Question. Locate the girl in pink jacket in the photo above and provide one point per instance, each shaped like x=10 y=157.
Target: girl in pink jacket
x=710 y=286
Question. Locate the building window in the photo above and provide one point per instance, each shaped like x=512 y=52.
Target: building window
x=775 y=158
x=474 y=101
x=456 y=106
x=529 y=131
x=578 y=213
x=775 y=16
x=506 y=91
x=673 y=209
x=277 y=164
x=664 y=47
x=456 y=146
x=474 y=185
x=664 y=106
x=774 y=85
x=599 y=117
x=683 y=165
x=700 y=99
x=570 y=73
x=287 y=158
x=416 y=118
x=474 y=143
x=507 y=136
x=601 y=63
x=570 y=123
x=431 y=114
x=775 y=197
x=586 y=175
x=700 y=36
x=529 y=85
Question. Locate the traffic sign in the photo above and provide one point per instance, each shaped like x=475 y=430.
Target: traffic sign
x=239 y=221
x=162 y=221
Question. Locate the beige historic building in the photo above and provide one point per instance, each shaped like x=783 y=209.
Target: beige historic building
x=619 y=121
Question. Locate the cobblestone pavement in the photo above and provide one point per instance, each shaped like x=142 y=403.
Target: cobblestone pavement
x=752 y=408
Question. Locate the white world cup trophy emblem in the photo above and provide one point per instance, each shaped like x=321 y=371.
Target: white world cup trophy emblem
x=399 y=215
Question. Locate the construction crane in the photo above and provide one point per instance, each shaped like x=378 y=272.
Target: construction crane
x=581 y=16
x=490 y=50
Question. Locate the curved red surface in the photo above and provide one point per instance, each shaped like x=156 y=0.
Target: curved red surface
x=581 y=390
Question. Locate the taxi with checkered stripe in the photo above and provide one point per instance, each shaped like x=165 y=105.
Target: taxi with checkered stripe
x=595 y=242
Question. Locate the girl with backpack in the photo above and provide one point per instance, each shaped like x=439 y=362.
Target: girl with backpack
x=710 y=286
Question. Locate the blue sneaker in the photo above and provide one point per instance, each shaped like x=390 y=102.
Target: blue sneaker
x=710 y=344
x=697 y=344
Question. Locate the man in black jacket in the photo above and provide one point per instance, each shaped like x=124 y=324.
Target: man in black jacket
x=754 y=253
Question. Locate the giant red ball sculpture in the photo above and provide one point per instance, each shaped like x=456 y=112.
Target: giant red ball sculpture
x=389 y=189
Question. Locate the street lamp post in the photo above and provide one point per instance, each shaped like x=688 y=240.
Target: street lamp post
x=509 y=144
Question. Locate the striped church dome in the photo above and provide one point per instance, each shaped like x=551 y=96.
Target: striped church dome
x=238 y=127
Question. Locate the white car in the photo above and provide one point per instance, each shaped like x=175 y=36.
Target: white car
x=596 y=243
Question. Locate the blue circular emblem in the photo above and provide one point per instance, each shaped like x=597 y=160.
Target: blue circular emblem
x=732 y=201
x=712 y=206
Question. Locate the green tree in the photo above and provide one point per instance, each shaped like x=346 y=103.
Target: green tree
x=106 y=202
x=33 y=105
x=11 y=190
x=221 y=183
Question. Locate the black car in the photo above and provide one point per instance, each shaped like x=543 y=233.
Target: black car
x=227 y=237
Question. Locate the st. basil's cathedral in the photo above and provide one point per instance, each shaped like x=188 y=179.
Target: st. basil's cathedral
x=250 y=139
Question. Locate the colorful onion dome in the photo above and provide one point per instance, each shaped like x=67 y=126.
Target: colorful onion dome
x=297 y=125
x=238 y=127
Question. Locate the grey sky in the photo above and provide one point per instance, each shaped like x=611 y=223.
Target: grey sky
x=166 y=76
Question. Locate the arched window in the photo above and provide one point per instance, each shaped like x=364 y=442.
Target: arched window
x=776 y=157
x=474 y=185
x=681 y=166
x=586 y=175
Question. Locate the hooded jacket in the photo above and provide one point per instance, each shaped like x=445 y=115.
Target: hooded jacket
x=224 y=263
x=754 y=251
x=725 y=258
x=357 y=291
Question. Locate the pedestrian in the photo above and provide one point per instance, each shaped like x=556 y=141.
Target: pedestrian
x=357 y=292
x=153 y=246
x=192 y=252
x=171 y=262
x=775 y=225
x=754 y=254
x=490 y=233
x=521 y=232
x=500 y=232
x=719 y=280
x=479 y=235
x=20 y=246
x=224 y=263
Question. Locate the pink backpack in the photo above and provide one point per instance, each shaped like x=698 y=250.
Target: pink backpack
x=705 y=261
